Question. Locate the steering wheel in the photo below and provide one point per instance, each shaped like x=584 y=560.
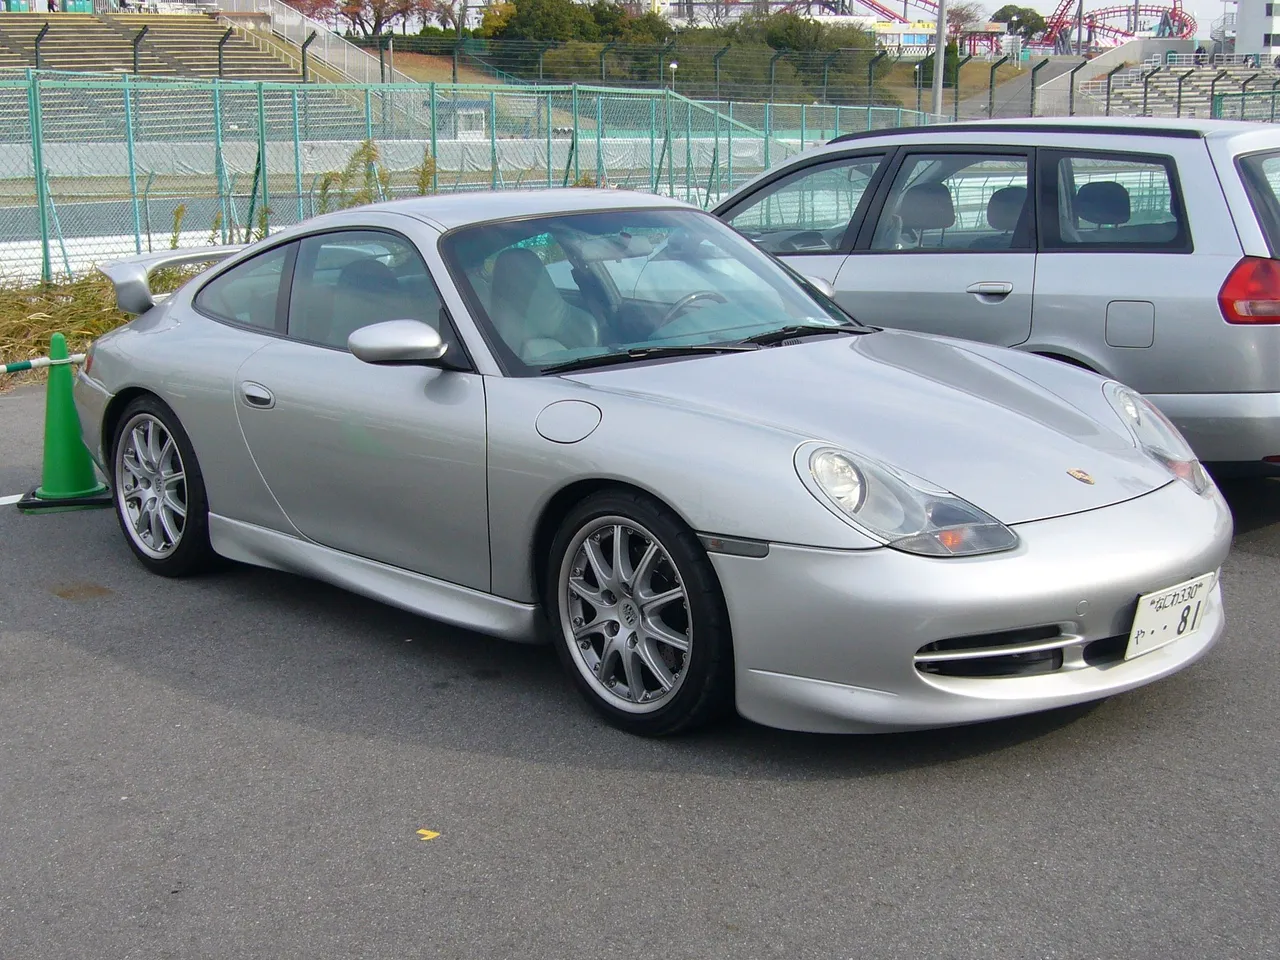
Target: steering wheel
x=685 y=302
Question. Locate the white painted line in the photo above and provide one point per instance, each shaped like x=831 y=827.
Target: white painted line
x=6 y=501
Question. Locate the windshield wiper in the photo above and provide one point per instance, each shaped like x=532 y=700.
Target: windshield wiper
x=647 y=353
x=771 y=337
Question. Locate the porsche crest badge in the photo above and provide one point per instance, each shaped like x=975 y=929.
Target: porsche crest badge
x=1081 y=476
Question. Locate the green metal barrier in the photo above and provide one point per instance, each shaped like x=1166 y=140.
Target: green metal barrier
x=94 y=167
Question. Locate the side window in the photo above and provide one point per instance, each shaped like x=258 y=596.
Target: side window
x=348 y=280
x=248 y=293
x=809 y=211
x=961 y=201
x=1113 y=202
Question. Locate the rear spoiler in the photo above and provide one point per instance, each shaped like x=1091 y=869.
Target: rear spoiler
x=132 y=276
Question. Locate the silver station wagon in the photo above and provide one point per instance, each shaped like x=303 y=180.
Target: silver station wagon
x=1142 y=249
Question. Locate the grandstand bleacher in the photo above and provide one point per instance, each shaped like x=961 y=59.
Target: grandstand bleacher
x=1140 y=92
x=175 y=45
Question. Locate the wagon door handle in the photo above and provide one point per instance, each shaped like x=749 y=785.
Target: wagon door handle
x=256 y=395
x=996 y=289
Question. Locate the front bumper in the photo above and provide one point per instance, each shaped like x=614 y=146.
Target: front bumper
x=1225 y=427
x=825 y=640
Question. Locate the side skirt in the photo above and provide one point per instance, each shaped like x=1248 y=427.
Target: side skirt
x=426 y=596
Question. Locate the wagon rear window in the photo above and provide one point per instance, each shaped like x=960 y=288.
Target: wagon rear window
x=1261 y=175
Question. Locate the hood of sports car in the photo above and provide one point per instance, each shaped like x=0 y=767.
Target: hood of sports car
x=927 y=406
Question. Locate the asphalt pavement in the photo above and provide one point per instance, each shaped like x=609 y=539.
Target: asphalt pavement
x=238 y=765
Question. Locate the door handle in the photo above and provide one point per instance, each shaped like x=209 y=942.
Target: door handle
x=990 y=288
x=256 y=395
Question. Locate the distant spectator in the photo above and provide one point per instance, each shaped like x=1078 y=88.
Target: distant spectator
x=1201 y=55
x=1276 y=63
x=53 y=6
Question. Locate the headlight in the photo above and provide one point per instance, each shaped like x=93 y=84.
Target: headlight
x=1156 y=436
x=901 y=511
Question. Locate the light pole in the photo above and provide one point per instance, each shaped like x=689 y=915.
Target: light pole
x=940 y=54
x=672 y=67
x=919 y=91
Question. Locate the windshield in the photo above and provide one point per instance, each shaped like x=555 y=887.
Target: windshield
x=552 y=290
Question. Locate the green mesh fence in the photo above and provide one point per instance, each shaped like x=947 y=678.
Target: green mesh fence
x=1256 y=105
x=97 y=168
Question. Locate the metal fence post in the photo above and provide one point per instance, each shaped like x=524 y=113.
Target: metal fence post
x=768 y=134
x=39 y=40
x=435 y=172
x=1146 y=89
x=368 y=114
x=223 y=43
x=1274 y=84
x=653 y=135
x=688 y=147
x=137 y=41
x=991 y=87
x=219 y=164
x=297 y=154
x=728 y=147
x=306 y=43
x=262 y=152
x=599 y=139
x=803 y=125
x=1071 y=86
x=493 y=140
x=871 y=77
x=955 y=109
x=715 y=62
x=131 y=159
x=1031 y=111
x=550 y=173
x=41 y=175
x=1110 y=74
x=577 y=168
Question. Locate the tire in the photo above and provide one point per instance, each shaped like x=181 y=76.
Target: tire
x=169 y=535
x=628 y=662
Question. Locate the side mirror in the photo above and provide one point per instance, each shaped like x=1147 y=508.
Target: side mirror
x=397 y=342
x=823 y=285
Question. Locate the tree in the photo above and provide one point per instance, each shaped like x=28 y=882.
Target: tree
x=546 y=20
x=963 y=17
x=1023 y=21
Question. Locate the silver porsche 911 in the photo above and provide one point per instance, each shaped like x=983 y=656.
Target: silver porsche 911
x=607 y=418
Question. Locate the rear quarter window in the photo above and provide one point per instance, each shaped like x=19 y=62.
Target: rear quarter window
x=1260 y=174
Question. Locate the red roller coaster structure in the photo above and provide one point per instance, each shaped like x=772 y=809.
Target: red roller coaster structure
x=1104 y=23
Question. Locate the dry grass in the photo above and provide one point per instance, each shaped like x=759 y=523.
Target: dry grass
x=82 y=310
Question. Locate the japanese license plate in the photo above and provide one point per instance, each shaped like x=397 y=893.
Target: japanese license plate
x=1169 y=614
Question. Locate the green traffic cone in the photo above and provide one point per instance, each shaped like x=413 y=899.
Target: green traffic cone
x=68 y=479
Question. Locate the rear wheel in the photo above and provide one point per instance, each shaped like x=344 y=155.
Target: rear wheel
x=159 y=491
x=639 y=619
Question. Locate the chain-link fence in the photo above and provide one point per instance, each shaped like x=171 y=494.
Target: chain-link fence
x=1256 y=105
x=105 y=167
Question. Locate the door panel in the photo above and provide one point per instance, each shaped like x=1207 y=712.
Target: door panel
x=932 y=293
x=386 y=463
x=950 y=249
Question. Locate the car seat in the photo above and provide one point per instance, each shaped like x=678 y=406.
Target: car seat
x=529 y=312
x=1004 y=210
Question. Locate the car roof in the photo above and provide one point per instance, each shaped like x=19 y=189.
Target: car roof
x=447 y=211
x=1085 y=126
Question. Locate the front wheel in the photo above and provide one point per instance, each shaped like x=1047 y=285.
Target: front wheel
x=639 y=619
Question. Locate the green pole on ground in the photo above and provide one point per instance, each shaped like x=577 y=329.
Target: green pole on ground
x=728 y=147
x=577 y=168
x=550 y=170
x=219 y=164
x=599 y=139
x=67 y=477
x=653 y=136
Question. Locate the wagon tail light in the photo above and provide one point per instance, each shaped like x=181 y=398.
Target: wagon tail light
x=1251 y=292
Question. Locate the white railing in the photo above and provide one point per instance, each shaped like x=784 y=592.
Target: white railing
x=347 y=58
